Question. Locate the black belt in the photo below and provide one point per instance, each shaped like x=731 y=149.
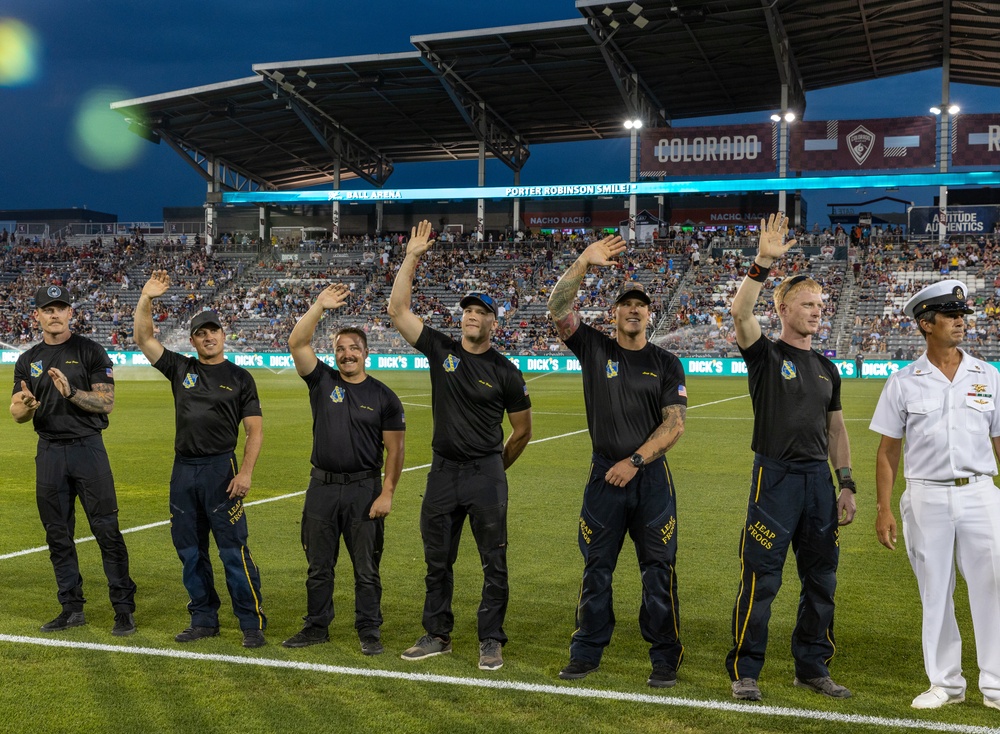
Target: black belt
x=337 y=477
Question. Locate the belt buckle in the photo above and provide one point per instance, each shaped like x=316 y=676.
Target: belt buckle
x=961 y=482
x=346 y=478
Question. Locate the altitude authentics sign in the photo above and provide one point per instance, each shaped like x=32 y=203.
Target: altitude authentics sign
x=863 y=145
x=708 y=151
x=975 y=140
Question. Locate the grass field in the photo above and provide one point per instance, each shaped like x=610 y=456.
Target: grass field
x=100 y=683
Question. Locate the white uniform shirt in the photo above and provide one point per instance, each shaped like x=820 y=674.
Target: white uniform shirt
x=948 y=425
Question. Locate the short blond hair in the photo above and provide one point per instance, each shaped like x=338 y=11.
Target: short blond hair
x=786 y=286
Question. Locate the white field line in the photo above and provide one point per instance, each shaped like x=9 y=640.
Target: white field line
x=569 y=690
x=162 y=523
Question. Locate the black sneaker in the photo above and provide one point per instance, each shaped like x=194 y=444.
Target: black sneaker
x=307 y=636
x=663 y=676
x=193 y=633
x=64 y=621
x=124 y=624
x=371 y=646
x=578 y=669
x=253 y=638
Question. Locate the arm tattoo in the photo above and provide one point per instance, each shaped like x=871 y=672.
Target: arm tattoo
x=564 y=294
x=670 y=430
x=101 y=399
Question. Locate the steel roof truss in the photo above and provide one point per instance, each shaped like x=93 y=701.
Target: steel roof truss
x=502 y=140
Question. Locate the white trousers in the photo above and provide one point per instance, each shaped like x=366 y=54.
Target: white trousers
x=943 y=525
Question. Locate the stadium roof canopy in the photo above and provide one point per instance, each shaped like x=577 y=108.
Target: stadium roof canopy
x=300 y=123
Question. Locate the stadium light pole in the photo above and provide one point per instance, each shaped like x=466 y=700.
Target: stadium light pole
x=633 y=125
x=945 y=112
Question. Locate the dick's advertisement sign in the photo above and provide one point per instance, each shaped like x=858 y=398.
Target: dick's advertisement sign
x=970 y=220
x=851 y=145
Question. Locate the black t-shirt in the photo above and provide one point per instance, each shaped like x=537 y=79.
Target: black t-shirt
x=624 y=390
x=210 y=400
x=85 y=364
x=348 y=420
x=792 y=390
x=469 y=394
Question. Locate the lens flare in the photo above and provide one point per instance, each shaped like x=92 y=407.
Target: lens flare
x=101 y=139
x=20 y=52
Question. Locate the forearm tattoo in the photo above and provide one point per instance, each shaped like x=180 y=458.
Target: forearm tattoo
x=101 y=399
x=564 y=293
x=671 y=429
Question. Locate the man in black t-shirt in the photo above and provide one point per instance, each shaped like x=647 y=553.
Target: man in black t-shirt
x=211 y=397
x=65 y=385
x=356 y=419
x=798 y=429
x=636 y=403
x=472 y=385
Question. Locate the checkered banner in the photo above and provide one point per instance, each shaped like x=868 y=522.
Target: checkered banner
x=975 y=140
x=708 y=151
x=853 y=145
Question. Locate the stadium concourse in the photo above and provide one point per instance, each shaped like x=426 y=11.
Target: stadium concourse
x=259 y=294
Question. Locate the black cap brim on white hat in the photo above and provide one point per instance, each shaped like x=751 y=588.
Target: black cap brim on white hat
x=946 y=296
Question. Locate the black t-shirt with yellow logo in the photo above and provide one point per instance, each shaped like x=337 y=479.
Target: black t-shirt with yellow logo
x=469 y=395
x=348 y=420
x=85 y=363
x=210 y=401
x=792 y=390
x=624 y=390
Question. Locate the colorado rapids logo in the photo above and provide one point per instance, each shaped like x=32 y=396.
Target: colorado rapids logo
x=450 y=363
x=338 y=394
x=190 y=380
x=861 y=142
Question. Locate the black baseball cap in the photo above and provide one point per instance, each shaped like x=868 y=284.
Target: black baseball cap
x=49 y=294
x=633 y=289
x=482 y=299
x=203 y=319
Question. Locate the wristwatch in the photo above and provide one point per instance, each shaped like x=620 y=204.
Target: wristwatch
x=637 y=460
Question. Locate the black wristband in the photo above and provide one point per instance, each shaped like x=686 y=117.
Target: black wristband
x=756 y=272
x=72 y=392
x=845 y=480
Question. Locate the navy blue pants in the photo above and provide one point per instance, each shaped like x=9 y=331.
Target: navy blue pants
x=789 y=503
x=199 y=504
x=477 y=490
x=332 y=510
x=65 y=470
x=646 y=510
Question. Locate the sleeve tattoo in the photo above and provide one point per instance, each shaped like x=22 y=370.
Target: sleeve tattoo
x=670 y=430
x=101 y=399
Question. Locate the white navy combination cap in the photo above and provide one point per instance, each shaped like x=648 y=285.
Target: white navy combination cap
x=946 y=296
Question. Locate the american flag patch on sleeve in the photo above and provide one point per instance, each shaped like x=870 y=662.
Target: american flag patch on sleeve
x=109 y=372
x=682 y=391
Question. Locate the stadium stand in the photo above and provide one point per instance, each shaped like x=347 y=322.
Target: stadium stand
x=260 y=294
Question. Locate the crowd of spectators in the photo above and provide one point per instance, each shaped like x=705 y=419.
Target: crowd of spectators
x=691 y=290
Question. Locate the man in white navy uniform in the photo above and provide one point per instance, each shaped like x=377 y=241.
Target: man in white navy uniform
x=944 y=403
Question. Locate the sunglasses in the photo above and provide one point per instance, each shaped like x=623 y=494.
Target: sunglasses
x=482 y=297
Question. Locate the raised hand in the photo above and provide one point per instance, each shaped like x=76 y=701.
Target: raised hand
x=772 y=243
x=333 y=296
x=420 y=241
x=157 y=285
x=601 y=252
